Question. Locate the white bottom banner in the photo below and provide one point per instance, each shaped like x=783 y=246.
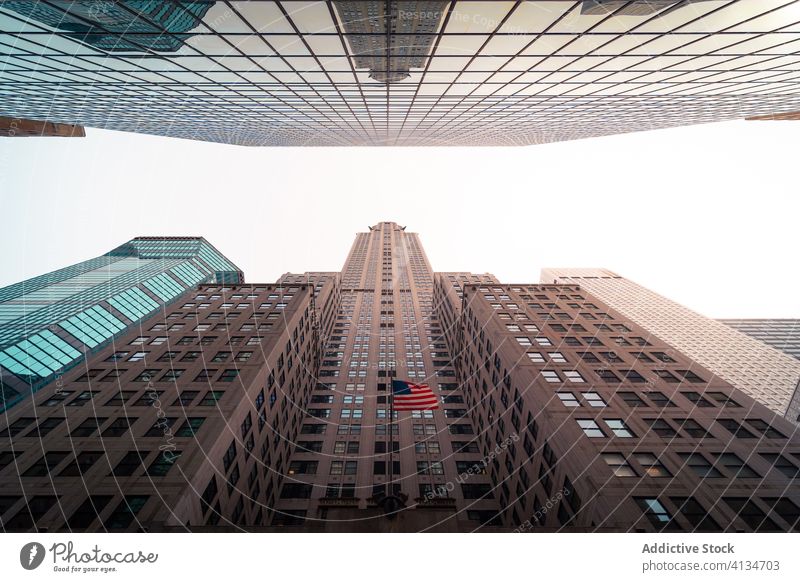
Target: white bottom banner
x=356 y=557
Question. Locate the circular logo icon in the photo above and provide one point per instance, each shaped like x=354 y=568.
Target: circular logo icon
x=31 y=555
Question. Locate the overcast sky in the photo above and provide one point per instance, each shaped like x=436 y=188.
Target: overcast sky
x=706 y=215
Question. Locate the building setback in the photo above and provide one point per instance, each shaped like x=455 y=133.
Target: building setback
x=270 y=411
x=50 y=322
x=763 y=372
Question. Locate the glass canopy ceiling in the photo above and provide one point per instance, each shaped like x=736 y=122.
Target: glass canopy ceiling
x=340 y=72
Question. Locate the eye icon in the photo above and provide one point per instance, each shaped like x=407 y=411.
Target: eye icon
x=31 y=555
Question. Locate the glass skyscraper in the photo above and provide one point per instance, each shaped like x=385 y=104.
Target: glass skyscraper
x=49 y=322
x=341 y=73
x=126 y=25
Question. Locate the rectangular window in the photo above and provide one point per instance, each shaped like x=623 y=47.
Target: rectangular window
x=618 y=465
x=661 y=427
x=568 y=399
x=88 y=426
x=590 y=428
x=126 y=511
x=735 y=465
x=619 y=428
x=695 y=514
x=550 y=376
x=751 y=514
x=594 y=399
x=163 y=463
x=574 y=376
x=229 y=375
x=783 y=465
x=652 y=466
x=700 y=465
x=697 y=400
x=632 y=399
x=660 y=400
x=692 y=428
x=736 y=429
x=764 y=428
x=118 y=427
x=656 y=513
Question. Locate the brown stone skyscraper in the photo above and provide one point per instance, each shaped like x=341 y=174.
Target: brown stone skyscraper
x=267 y=407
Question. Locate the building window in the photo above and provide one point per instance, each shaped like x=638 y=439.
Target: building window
x=735 y=465
x=652 y=465
x=782 y=464
x=607 y=376
x=690 y=376
x=618 y=464
x=634 y=377
x=47 y=425
x=594 y=399
x=58 y=398
x=126 y=511
x=697 y=400
x=666 y=376
x=574 y=377
x=146 y=376
x=163 y=463
x=211 y=398
x=662 y=428
x=765 y=429
x=751 y=514
x=656 y=513
x=660 y=400
x=619 y=428
x=305 y=467
x=229 y=375
x=700 y=465
x=590 y=428
x=88 y=426
x=723 y=399
x=568 y=399
x=694 y=513
x=786 y=509
x=118 y=427
x=736 y=429
x=550 y=376
x=632 y=400
x=692 y=428
x=190 y=427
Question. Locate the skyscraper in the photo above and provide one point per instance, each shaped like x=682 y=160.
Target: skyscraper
x=373 y=73
x=761 y=371
x=633 y=8
x=781 y=334
x=50 y=322
x=390 y=38
x=30 y=128
x=123 y=25
x=269 y=409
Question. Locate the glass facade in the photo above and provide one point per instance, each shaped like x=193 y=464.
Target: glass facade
x=47 y=323
x=401 y=73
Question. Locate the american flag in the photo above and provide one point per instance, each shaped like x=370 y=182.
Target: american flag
x=408 y=396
